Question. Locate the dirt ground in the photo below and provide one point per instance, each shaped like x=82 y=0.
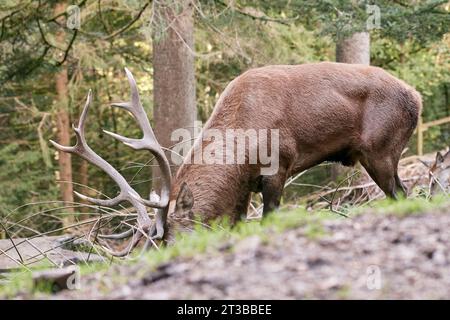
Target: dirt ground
x=32 y=252
x=371 y=256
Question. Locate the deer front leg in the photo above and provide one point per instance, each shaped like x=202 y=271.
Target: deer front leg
x=272 y=189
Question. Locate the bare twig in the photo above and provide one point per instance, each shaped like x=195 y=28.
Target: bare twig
x=128 y=25
x=43 y=253
x=338 y=186
x=20 y=263
x=12 y=241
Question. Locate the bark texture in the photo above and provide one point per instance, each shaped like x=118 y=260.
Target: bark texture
x=354 y=49
x=63 y=124
x=174 y=79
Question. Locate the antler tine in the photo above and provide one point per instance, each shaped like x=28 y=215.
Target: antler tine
x=100 y=202
x=137 y=110
x=119 y=236
x=82 y=149
x=149 y=142
x=78 y=130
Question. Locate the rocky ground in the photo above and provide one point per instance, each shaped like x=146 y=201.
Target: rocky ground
x=369 y=256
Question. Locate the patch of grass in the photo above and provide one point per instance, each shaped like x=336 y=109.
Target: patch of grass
x=343 y=292
x=20 y=280
x=221 y=234
x=16 y=282
x=94 y=267
x=315 y=230
x=199 y=241
x=404 y=207
x=210 y=239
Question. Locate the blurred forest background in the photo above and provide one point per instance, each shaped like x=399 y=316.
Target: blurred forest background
x=183 y=53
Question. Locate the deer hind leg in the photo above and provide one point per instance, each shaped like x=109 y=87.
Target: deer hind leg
x=384 y=172
x=272 y=189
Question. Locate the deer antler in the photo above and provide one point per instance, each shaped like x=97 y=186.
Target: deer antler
x=127 y=193
x=149 y=142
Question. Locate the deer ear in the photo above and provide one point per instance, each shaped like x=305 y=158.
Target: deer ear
x=185 y=199
x=439 y=157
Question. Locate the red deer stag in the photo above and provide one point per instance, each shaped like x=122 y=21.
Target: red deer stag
x=322 y=111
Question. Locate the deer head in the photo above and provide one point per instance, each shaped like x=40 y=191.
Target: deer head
x=440 y=174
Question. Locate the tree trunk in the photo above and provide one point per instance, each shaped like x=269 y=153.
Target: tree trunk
x=174 y=78
x=353 y=49
x=63 y=126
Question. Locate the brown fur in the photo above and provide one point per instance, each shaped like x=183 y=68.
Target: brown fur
x=324 y=111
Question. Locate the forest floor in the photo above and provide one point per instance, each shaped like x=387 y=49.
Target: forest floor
x=387 y=251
